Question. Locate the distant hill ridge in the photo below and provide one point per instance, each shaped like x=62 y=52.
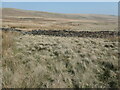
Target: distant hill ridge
x=29 y=13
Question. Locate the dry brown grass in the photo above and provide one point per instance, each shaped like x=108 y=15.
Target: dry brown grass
x=33 y=26
x=8 y=42
x=59 y=62
x=113 y=39
x=29 y=20
x=58 y=25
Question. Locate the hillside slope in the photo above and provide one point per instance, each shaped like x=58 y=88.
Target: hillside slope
x=19 y=12
x=58 y=61
x=26 y=19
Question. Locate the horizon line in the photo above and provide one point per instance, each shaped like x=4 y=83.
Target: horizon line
x=57 y=12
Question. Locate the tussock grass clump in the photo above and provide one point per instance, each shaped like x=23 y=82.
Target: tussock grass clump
x=7 y=40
